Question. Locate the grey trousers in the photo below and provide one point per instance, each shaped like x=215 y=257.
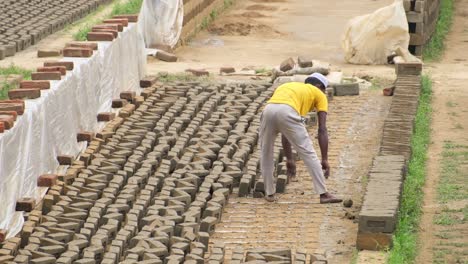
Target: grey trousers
x=282 y=118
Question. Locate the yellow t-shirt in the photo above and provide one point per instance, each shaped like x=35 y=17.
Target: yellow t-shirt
x=300 y=96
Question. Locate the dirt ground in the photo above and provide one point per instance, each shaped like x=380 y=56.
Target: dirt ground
x=447 y=241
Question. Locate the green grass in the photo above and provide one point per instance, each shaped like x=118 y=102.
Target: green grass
x=11 y=70
x=129 y=7
x=406 y=236
x=181 y=77
x=452 y=185
x=434 y=49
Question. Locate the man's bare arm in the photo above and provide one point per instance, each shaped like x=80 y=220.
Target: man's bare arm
x=323 y=141
x=290 y=162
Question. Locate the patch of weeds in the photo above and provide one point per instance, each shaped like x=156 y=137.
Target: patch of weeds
x=5 y=72
x=262 y=71
x=445 y=219
x=452 y=185
x=434 y=49
x=126 y=8
x=181 y=77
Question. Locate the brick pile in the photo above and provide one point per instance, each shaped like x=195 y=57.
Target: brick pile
x=26 y=22
x=422 y=18
x=150 y=187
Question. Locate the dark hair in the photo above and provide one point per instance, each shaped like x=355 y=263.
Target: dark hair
x=315 y=82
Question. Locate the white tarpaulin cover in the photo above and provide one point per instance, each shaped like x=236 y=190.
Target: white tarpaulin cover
x=49 y=126
x=371 y=38
x=161 y=21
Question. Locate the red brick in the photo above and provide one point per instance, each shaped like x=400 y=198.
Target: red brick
x=2 y=127
x=36 y=76
x=10 y=113
x=65 y=159
x=85 y=136
x=118 y=103
x=77 y=52
x=83 y=44
x=115 y=33
x=130 y=17
x=128 y=95
x=3 y=234
x=60 y=69
x=25 y=204
x=17 y=107
x=8 y=121
x=109 y=26
x=67 y=64
x=35 y=84
x=120 y=21
x=148 y=82
x=100 y=36
x=30 y=93
x=47 y=180
x=105 y=117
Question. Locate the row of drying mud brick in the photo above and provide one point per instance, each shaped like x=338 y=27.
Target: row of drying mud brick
x=379 y=213
x=26 y=22
x=152 y=185
x=422 y=18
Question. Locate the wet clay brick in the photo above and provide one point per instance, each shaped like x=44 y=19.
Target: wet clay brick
x=25 y=204
x=60 y=69
x=115 y=33
x=65 y=159
x=36 y=76
x=10 y=113
x=77 y=52
x=100 y=36
x=130 y=18
x=120 y=21
x=128 y=95
x=148 y=82
x=83 y=44
x=85 y=136
x=105 y=117
x=35 y=84
x=30 y=93
x=48 y=53
x=47 y=180
x=119 y=103
x=67 y=64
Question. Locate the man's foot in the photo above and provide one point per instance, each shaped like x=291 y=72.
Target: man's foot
x=271 y=198
x=327 y=197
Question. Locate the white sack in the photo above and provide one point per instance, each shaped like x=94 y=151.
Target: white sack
x=160 y=22
x=371 y=38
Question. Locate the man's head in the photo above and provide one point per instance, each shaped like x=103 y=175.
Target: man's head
x=317 y=80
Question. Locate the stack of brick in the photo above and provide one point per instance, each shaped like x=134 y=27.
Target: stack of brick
x=26 y=22
x=422 y=18
x=379 y=212
x=280 y=255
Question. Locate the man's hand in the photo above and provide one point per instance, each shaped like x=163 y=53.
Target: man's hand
x=326 y=168
x=291 y=170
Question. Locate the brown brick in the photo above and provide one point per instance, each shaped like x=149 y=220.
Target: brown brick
x=10 y=113
x=60 y=69
x=30 y=93
x=227 y=70
x=8 y=121
x=148 y=82
x=83 y=44
x=3 y=234
x=119 y=103
x=67 y=64
x=166 y=56
x=25 y=204
x=35 y=84
x=100 y=36
x=2 y=127
x=85 y=136
x=36 y=76
x=120 y=27
x=121 y=21
x=17 y=107
x=47 y=180
x=373 y=241
x=109 y=26
x=115 y=33
x=65 y=159
x=198 y=72
x=77 y=52
x=287 y=65
x=128 y=95
x=48 y=53
x=131 y=17
x=105 y=117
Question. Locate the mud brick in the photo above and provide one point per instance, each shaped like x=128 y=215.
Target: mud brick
x=100 y=36
x=60 y=69
x=44 y=84
x=304 y=62
x=77 y=52
x=133 y=18
x=105 y=117
x=148 y=81
x=287 y=65
x=120 y=21
x=109 y=26
x=23 y=259
x=65 y=159
x=44 y=260
x=48 y=53
x=198 y=72
x=30 y=93
x=87 y=44
x=281 y=183
x=373 y=241
x=208 y=224
x=47 y=180
x=85 y=136
x=7 y=121
x=345 y=89
x=381 y=220
x=41 y=76
x=227 y=70
x=166 y=56
x=115 y=33
x=25 y=204
x=67 y=64
x=408 y=68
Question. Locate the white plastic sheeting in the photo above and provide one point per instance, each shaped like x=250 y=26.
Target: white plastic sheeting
x=371 y=38
x=50 y=123
x=161 y=21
